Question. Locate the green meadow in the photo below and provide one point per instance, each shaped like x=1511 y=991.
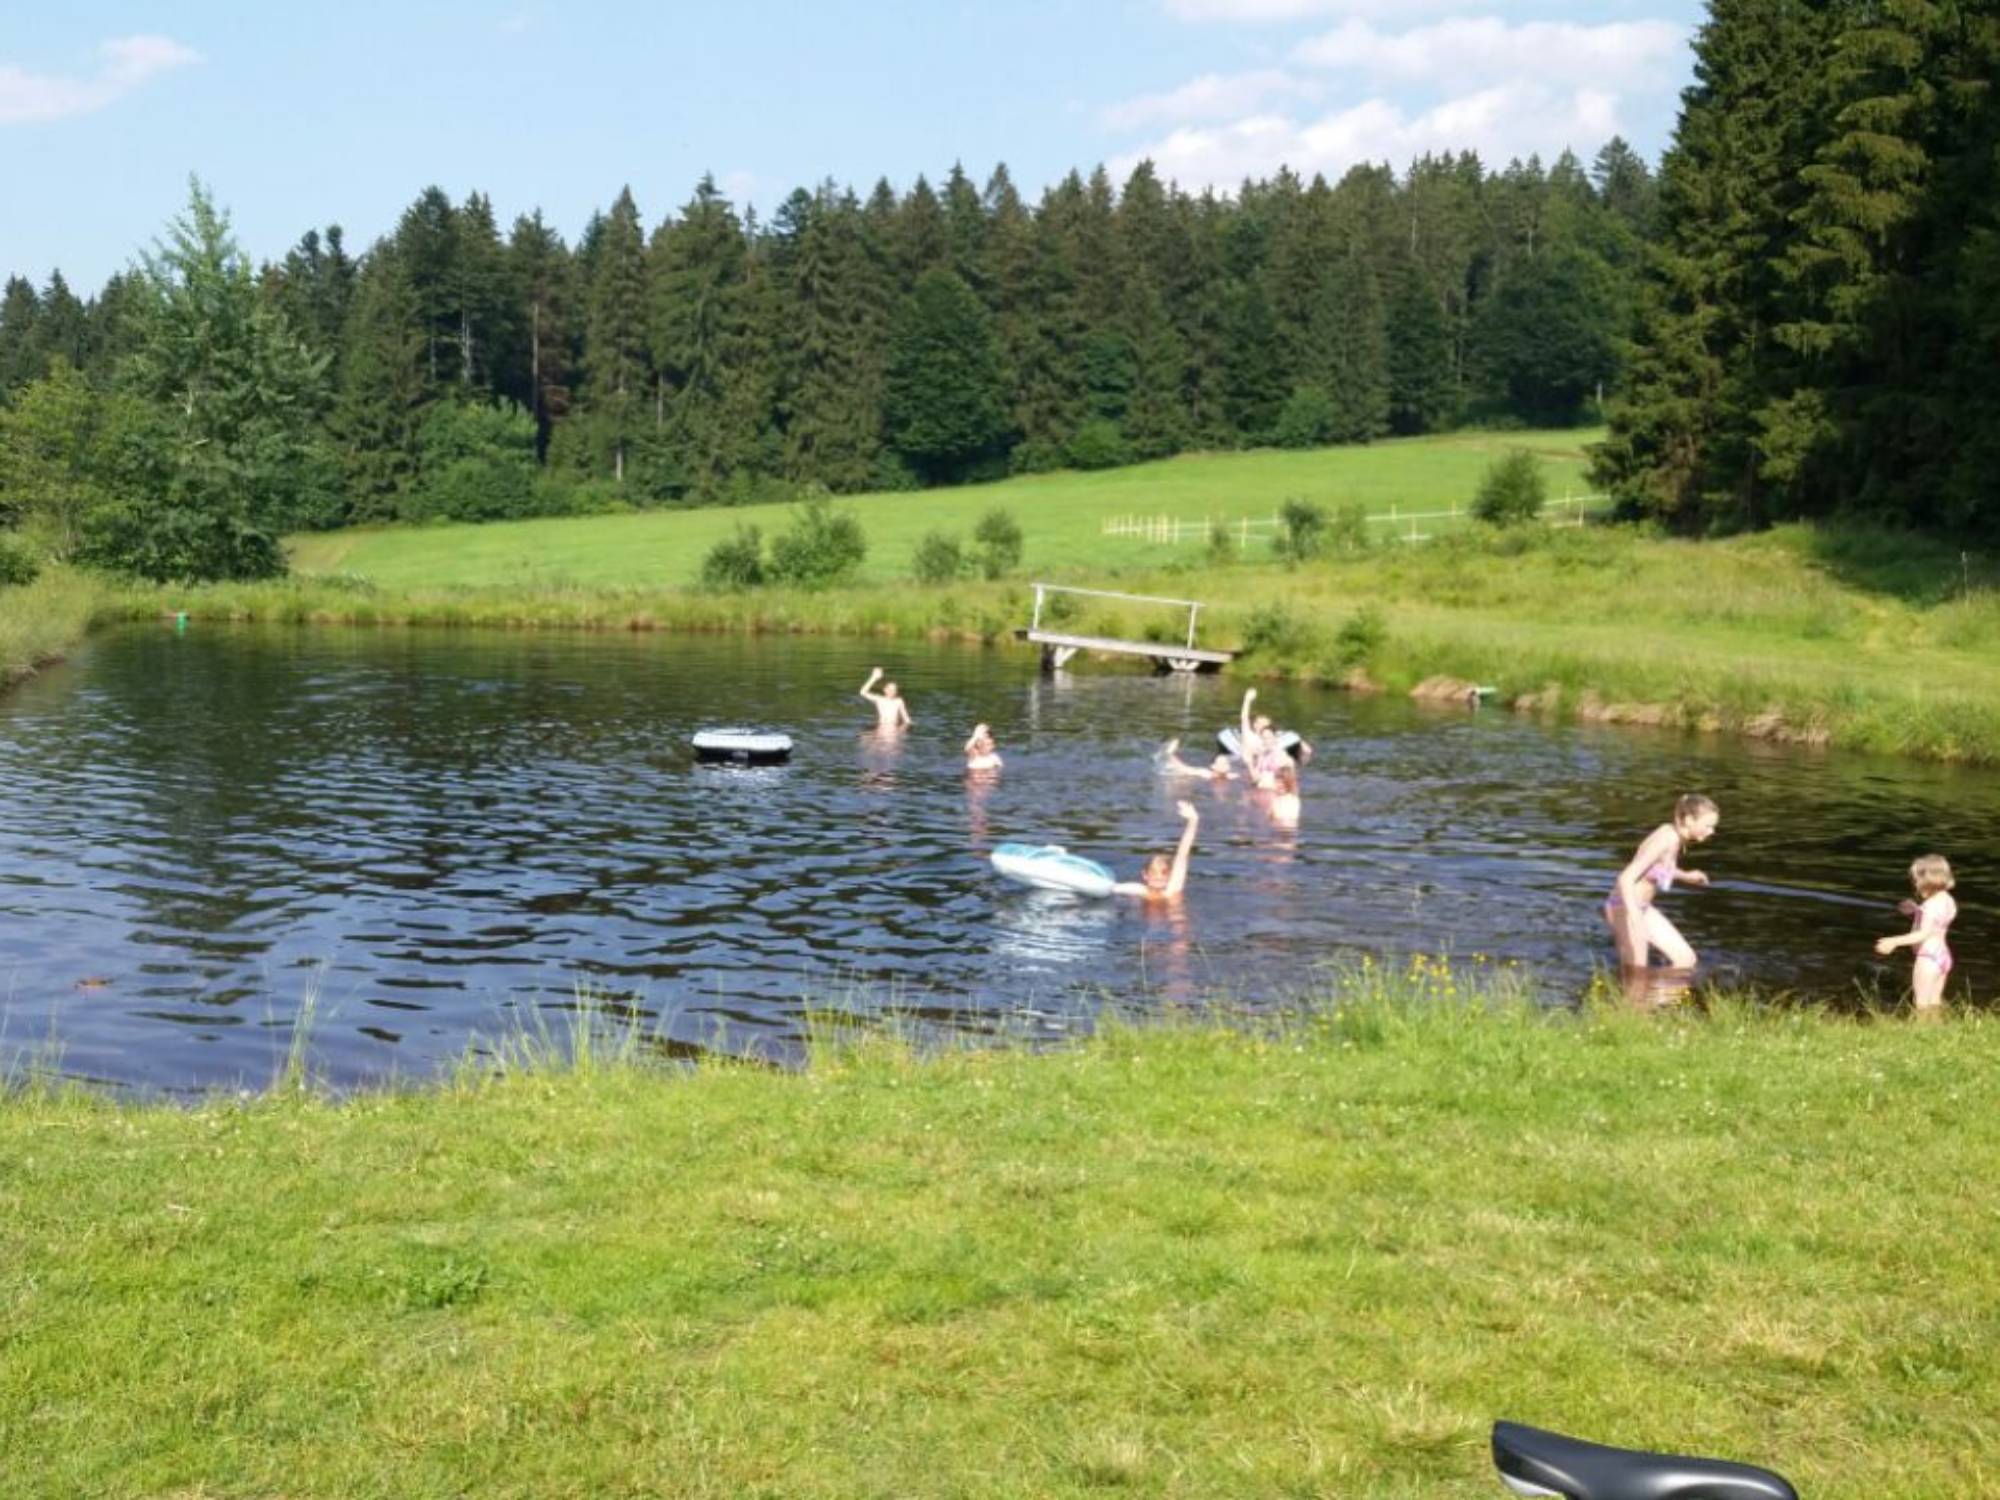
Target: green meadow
x=1309 y=1257
x=1062 y=516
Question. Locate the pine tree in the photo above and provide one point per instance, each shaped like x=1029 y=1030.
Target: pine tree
x=384 y=392
x=479 y=296
x=534 y=367
x=699 y=330
x=1419 y=356
x=946 y=407
x=427 y=247
x=615 y=377
x=20 y=310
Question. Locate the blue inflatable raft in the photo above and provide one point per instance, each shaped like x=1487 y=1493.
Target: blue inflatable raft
x=1053 y=868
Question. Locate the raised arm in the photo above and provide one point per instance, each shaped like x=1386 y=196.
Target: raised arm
x=1243 y=730
x=868 y=687
x=972 y=740
x=1177 y=877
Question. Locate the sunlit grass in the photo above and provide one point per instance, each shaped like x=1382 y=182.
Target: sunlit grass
x=1309 y=1254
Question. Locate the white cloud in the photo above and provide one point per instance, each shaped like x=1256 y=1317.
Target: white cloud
x=1506 y=121
x=1213 y=96
x=1466 y=48
x=123 y=64
x=1258 y=11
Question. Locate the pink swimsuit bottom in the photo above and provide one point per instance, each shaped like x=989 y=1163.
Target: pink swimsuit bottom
x=1934 y=948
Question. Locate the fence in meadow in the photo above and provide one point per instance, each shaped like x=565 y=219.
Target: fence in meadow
x=1403 y=525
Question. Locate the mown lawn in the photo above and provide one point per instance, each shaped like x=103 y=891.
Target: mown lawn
x=1186 y=1261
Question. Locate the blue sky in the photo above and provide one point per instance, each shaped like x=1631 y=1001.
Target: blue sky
x=297 y=116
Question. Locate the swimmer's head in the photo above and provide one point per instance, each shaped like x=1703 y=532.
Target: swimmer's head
x=1219 y=766
x=1157 y=871
x=890 y=690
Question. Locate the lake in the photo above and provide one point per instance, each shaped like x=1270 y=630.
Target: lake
x=442 y=837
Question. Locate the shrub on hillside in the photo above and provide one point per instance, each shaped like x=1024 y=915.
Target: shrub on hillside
x=1221 y=543
x=939 y=558
x=1274 y=629
x=18 y=563
x=1360 y=636
x=1301 y=531
x=821 y=547
x=735 y=562
x=1513 y=489
x=1036 y=456
x=1307 y=419
x=1099 y=444
x=996 y=550
x=1347 y=529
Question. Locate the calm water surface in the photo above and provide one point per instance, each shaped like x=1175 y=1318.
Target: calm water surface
x=439 y=836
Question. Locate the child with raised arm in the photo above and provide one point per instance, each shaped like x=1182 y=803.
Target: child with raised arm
x=1258 y=742
x=891 y=712
x=1171 y=764
x=1932 y=878
x=1637 y=925
x=981 y=753
x=1164 y=879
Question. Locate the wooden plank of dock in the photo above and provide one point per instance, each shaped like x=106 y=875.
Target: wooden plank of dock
x=1167 y=655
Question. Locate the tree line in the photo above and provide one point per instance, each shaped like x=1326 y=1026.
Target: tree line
x=939 y=336
x=1819 y=322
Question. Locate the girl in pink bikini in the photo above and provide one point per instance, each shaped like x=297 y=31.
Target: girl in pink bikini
x=1931 y=876
x=1637 y=925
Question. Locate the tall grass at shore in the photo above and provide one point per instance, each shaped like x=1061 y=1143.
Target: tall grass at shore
x=1314 y=1256
x=41 y=621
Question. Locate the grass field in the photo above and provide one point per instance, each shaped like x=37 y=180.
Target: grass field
x=1061 y=515
x=1314 y=1260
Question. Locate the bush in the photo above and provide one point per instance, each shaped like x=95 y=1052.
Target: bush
x=1036 y=456
x=892 y=472
x=938 y=559
x=1513 y=489
x=476 y=462
x=1306 y=420
x=1274 y=629
x=1099 y=444
x=1360 y=636
x=1301 y=531
x=1221 y=545
x=1347 y=529
x=996 y=548
x=822 y=546
x=18 y=564
x=735 y=562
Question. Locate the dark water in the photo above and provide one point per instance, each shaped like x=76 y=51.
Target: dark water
x=441 y=835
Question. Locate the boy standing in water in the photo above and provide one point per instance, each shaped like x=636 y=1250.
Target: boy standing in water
x=891 y=712
x=1932 y=878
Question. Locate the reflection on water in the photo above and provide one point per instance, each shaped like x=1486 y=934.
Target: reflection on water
x=442 y=835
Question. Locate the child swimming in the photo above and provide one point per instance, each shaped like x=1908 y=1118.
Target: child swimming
x=1637 y=925
x=1932 y=878
x=891 y=712
x=1164 y=879
x=981 y=753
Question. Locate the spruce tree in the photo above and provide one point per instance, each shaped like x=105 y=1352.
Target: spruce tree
x=946 y=405
x=615 y=377
x=20 y=361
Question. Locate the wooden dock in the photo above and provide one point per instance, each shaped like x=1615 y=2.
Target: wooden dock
x=1058 y=646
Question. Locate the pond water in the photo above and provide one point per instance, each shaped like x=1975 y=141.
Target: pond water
x=440 y=836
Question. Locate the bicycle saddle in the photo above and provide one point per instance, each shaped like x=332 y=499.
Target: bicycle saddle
x=1533 y=1462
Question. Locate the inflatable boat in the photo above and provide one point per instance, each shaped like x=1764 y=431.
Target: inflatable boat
x=1053 y=868
x=743 y=747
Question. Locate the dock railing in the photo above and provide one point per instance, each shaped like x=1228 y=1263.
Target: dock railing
x=1192 y=606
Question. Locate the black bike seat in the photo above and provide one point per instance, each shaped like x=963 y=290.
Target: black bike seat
x=1534 y=1462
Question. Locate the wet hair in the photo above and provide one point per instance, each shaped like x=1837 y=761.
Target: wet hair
x=1158 y=865
x=1219 y=765
x=1693 y=806
x=1931 y=874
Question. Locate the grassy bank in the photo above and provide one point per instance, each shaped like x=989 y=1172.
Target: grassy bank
x=1870 y=641
x=1175 y=1262
x=41 y=621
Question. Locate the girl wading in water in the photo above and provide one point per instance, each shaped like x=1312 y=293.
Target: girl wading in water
x=1164 y=879
x=1637 y=925
x=1929 y=921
